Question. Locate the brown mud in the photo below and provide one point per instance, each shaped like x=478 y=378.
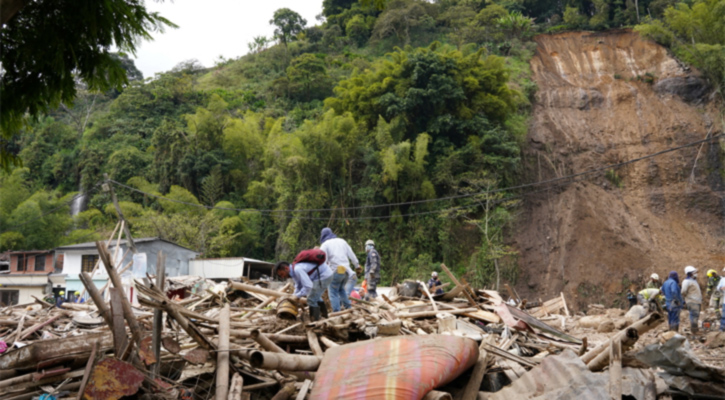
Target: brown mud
x=605 y=98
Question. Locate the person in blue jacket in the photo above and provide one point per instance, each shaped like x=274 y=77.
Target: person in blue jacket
x=673 y=300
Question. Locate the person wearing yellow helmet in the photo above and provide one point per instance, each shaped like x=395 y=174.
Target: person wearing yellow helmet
x=60 y=299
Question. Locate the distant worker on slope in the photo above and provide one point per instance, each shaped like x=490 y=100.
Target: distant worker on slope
x=372 y=270
x=339 y=254
x=715 y=295
x=693 y=297
x=311 y=276
x=654 y=282
x=721 y=288
x=673 y=300
x=435 y=282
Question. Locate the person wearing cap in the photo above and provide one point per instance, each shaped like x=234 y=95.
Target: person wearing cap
x=721 y=288
x=60 y=299
x=434 y=282
x=712 y=280
x=673 y=300
x=653 y=282
x=339 y=255
x=372 y=270
x=692 y=296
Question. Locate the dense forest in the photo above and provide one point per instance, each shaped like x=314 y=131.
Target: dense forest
x=400 y=121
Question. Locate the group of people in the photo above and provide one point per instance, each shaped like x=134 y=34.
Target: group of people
x=328 y=267
x=687 y=296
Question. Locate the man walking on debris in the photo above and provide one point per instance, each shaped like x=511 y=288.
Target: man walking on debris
x=339 y=254
x=715 y=295
x=372 y=270
x=311 y=276
x=434 y=282
x=693 y=297
x=673 y=300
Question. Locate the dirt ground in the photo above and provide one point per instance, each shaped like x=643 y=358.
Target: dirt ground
x=606 y=98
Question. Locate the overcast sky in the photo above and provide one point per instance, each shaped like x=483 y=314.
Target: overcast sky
x=210 y=28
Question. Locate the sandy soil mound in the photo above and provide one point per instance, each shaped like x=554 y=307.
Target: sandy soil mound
x=606 y=98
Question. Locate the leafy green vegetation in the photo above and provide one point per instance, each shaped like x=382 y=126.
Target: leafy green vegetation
x=399 y=102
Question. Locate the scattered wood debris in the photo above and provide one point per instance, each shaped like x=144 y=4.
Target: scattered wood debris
x=228 y=341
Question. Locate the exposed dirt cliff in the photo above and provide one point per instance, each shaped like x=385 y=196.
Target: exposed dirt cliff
x=606 y=98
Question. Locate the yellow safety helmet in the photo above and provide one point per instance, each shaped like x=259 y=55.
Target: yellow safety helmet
x=61 y=293
x=711 y=273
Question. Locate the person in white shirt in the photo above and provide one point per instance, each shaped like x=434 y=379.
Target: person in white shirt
x=693 y=297
x=339 y=255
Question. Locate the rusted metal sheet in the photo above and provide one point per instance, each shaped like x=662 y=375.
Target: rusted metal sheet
x=197 y=356
x=171 y=345
x=146 y=352
x=112 y=379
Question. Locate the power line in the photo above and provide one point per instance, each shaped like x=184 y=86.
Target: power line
x=445 y=198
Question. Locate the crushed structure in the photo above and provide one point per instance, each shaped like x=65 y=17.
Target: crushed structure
x=242 y=340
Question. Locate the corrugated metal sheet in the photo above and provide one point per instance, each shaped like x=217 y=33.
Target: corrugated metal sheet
x=566 y=377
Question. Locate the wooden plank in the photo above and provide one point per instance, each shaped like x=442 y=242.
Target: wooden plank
x=566 y=309
x=158 y=325
x=615 y=370
x=87 y=372
x=470 y=392
x=427 y=293
x=120 y=340
x=304 y=389
x=235 y=390
x=458 y=284
x=222 y=364
x=485 y=316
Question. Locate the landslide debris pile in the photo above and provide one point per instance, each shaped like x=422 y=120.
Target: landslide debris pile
x=241 y=339
x=605 y=98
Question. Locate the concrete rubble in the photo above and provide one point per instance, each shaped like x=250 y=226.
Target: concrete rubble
x=237 y=340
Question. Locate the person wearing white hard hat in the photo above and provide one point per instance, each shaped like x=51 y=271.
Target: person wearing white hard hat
x=435 y=282
x=693 y=297
x=654 y=282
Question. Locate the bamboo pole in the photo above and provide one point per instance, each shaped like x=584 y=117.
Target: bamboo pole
x=427 y=293
x=264 y=341
x=273 y=337
x=425 y=314
x=625 y=342
x=266 y=292
x=287 y=362
x=642 y=326
x=222 y=364
x=327 y=342
x=158 y=325
x=314 y=343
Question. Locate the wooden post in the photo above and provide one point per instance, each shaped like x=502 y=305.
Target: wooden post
x=125 y=303
x=479 y=370
x=314 y=343
x=303 y=390
x=222 y=364
x=615 y=370
x=235 y=391
x=158 y=314
x=427 y=293
x=458 y=283
x=87 y=372
x=126 y=230
x=119 y=328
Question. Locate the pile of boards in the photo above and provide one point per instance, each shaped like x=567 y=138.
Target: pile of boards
x=227 y=342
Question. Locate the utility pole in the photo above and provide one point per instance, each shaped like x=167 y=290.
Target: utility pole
x=107 y=186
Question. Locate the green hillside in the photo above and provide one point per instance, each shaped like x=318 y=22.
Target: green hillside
x=397 y=121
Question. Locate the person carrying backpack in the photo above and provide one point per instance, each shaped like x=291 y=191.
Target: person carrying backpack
x=311 y=276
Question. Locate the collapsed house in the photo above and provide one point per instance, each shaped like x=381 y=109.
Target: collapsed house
x=243 y=339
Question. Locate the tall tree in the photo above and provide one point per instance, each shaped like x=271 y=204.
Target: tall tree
x=46 y=44
x=288 y=24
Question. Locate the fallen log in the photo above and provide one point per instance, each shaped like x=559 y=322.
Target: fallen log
x=30 y=355
x=286 y=362
x=642 y=326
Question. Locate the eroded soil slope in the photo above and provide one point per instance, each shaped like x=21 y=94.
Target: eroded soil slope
x=591 y=238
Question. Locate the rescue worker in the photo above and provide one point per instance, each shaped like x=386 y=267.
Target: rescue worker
x=631 y=298
x=646 y=295
x=654 y=282
x=311 y=281
x=372 y=270
x=339 y=255
x=60 y=299
x=692 y=296
x=434 y=281
x=715 y=296
x=721 y=288
x=673 y=300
